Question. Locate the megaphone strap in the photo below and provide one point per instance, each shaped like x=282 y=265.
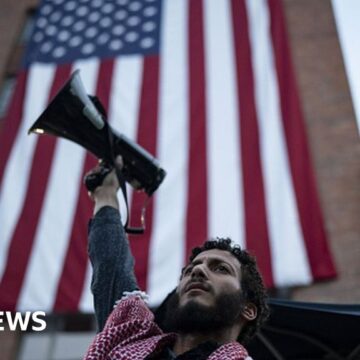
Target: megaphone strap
x=122 y=183
x=128 y=229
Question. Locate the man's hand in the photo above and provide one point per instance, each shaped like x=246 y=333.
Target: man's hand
x=106 y=193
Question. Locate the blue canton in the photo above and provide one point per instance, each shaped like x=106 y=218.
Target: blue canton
x=69 y=30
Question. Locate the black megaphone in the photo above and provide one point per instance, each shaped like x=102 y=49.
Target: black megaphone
x=75 y=116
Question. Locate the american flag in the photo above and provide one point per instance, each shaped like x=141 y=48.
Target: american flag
x=208 y=88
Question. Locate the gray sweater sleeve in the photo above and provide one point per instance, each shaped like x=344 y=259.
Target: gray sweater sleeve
x=112 y=262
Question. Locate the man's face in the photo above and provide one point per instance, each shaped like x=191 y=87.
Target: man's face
x=212 y=273
x=208 y=297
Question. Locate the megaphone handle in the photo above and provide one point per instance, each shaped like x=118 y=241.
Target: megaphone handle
x=93 y=180
x=130 y=230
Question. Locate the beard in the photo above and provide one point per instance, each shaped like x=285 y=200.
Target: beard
x=194 y=317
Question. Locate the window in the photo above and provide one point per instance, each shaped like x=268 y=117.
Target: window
x=6 y=92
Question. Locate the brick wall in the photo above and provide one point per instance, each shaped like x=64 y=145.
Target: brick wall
x=334 y=141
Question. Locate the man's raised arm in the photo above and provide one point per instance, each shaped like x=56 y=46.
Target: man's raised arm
x=109 y=251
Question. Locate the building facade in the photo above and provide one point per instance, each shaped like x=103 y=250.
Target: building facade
x=333 y=139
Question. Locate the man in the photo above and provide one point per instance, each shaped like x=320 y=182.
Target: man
x=219 y=302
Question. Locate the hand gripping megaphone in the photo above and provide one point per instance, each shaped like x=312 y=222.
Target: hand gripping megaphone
x=81 y=118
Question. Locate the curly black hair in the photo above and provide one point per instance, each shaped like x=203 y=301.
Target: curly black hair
x=252 y=284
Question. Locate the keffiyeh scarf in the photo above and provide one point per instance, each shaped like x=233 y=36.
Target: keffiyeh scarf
x=130 y=333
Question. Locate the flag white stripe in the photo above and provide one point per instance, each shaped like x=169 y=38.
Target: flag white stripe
x=167 y=243
x=15 y=182
x=125 y=95
x=86 y=303
x=123 y=117
x=290 y=263
x=226 y=216
x=62 y=194
x=53 y=232
x=124 y=105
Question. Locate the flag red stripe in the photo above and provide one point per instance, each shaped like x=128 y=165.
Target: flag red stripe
x=196 y=219
x=147 y=138
x=12 y=121
x=23 y=237
x=72 y=279
x=300 y=163
x=256 y=227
